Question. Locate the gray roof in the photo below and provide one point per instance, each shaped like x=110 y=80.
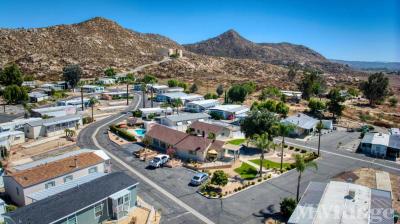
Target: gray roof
x=55 y=120
x=302 y=121
x=394 y=142
x=187 y=116
x=68 y=202
x=382 y=200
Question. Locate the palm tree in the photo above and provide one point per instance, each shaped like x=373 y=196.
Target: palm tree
x=284 y=130
x=301 y=165
x=144 y=89
x=319 y=127
x=92 y=102
x=177 y=103
x=212 y=136
x=263 y=143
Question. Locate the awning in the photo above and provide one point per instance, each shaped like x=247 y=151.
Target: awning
x=212 y=151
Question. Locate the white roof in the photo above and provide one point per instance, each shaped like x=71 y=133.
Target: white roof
x=91 y=86
x=37 y=94
x=50 y=109
x=191 y=97
x=233 y=108
x=155 y=110
x=376 y=139
x=394 y=131
x=301 y=120
x=19 y=121
x=205 y=103
x=6 y=134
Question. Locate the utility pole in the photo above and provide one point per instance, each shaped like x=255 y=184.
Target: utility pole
x=83 y=108
x=151 y=97
x=127 y=94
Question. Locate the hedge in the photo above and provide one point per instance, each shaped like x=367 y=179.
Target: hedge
x=122 y=132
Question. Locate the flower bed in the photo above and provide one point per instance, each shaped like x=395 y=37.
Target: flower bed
x=122 y=132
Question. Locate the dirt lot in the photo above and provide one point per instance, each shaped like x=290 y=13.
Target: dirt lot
x=367 y=177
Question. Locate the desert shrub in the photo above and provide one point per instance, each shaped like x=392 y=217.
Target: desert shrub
x=287 y=207
x=87 y=120
x=303 y=151
x=291 y=147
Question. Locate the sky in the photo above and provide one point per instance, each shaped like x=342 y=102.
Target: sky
x=364 y=30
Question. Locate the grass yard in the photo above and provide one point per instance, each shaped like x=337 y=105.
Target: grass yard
x=238 y=141
x=246 y=171
x=270 y=164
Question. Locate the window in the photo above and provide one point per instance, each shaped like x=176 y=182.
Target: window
x=50 y=184
x=126 y=198
x=120 y=201
x=72 y=220
x=98 y=210
x=93 y=170
x=68 y=178
x=17 y=190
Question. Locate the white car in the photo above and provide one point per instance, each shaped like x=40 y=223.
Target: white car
x=159 y=160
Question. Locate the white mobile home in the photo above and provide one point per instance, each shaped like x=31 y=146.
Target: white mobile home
x=57 y=111
x=304 y=124
x=52 y=126
x=10 y=138
x=183 y=120
x=201 y=105
x=77 y=102
x=92 y=89
x=229 y=111
x=106 y=81
x=17 y=124
x=157 y=111
x=35 y=97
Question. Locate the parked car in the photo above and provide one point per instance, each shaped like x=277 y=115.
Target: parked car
x=198 y=179
x=159 y=161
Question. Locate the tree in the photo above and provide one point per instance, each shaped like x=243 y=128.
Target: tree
x=263 y=143
x=291 y=74
x=177 y=103
x=259 y=122
x=250 y=87
x=269 y=92
x=319 y=128
x=92 y=102
x=312 y=84
x=130 y=77
x=210 y=96
x=172 y=83
x=393 y=101
x=316 y=105
x=219 y=178
x=334 y=104
x=287 y=206
x=11 y=75
x=110 y=72
x=14 y=94
x=212 y=136
x=193 y=88
x=376 y=88
x=220 y=90
x=301 y=165
x=148 y=79
x=353 y=92
x=143 y=87
x=282 y=109
x=237 y=93
x=284 y=130
x=72 y=74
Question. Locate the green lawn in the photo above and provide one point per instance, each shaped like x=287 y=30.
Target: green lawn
x=238 y=141
x=246 y=171
x=270 y=164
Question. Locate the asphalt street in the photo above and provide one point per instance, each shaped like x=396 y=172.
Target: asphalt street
x=248 y=206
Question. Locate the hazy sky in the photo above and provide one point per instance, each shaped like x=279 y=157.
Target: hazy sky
x=350 y=30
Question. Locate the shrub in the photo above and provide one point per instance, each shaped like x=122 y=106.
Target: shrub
x=303 y=151
x=285 y=146
x=287 y=207
x=269 y=176
x=122 y=132
x=291 y=147
x=87 y=120
x=259 y=180
x=297 y=149
x=137 y=113
x=10 y=208
x=219 y=178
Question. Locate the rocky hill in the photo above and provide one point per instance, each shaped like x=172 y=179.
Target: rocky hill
x=98 y=43
x=232 y=44
x=94 y=44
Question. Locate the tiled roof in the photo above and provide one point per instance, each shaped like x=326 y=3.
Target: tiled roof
x=206 y=127
x=197 y=143
x=55 y=169
x=165 y=134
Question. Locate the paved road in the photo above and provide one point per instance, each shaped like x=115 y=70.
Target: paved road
x=245 y=207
